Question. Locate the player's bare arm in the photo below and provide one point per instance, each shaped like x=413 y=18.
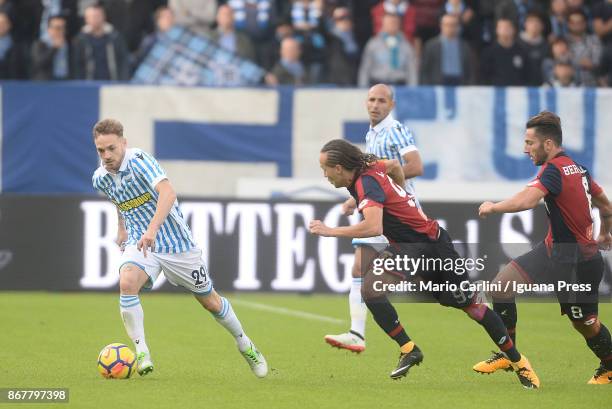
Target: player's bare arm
x=395 y=171
x=370 y=226
x=349 y=206
x=413 y=166
x=528 y=198
x=167 y=197
x=605 y=214
x=122 y=234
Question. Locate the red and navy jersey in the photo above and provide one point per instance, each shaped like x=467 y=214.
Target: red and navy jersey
x=403 y=220
x=568 y=187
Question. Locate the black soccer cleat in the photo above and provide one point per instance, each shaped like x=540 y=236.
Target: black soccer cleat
x=407 y=361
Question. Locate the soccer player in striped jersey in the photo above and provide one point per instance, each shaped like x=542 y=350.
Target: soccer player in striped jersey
x=154 y=236
x=568 y=253
x=388 y=209
x=387 y=138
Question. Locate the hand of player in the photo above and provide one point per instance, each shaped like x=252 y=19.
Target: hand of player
x=121 y=239
x=147 y=241
x=604 y=241
x=485 y=209
x=319 y=228
x=349 y=206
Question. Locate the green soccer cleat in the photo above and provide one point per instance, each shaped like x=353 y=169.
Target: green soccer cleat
x=256 y=361
x=144 y=363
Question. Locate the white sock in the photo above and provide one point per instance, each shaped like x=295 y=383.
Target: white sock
x=357 y=308
x=227 y=318
x=133 y=320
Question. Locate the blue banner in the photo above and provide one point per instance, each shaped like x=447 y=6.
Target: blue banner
x=238 y=139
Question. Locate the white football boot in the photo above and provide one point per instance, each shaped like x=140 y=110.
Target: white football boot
x=348 y=340
x=256 y=361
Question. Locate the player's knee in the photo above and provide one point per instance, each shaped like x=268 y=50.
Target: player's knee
x=128 y=280
x=475 y=311
x=368 y=289
x=211 y=302
x=588 y=327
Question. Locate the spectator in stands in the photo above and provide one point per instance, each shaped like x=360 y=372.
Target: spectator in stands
x=66 y=8
x=486 y=18
x=504 y=63
x=307 y=21
x=580 y=5
x=515 y=10
x=228 y=38
x=257 y=19
x=362 y=20
x=403 y=9
x=585 y=48
x=558 y=19
x=563 y=75
x=426 y=17
x=26 y=21
x=605 y=67
x=602 y=25
x=99 y=51
x=132 y=19
x=447 y=58
x=290 y=70
x=533 y=41
x=343 y=51
x=164 y=21
x=560 y=52
x=84 y=4
x=602 y=22
x=12 y=55
x=271 y=53
x=470 y=27
x=196 y=15
x=388 y=57
x=51 y=54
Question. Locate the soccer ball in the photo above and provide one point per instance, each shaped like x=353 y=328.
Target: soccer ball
x=116 y=361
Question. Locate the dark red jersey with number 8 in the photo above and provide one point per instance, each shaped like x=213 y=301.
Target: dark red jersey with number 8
x=568 y=187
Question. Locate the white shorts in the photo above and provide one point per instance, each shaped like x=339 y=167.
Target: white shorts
x=378 y=243
x=186 y=269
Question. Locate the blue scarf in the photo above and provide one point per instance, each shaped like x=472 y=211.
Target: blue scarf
x=240 y=13
x=51 y=8
x=305 y=13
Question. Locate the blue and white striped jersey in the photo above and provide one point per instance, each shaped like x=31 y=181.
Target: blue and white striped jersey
x=389 y=139
x=132 y=190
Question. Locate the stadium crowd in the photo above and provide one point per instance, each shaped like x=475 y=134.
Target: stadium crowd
x=561 y=43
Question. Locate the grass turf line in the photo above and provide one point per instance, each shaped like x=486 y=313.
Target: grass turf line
x=52 y=340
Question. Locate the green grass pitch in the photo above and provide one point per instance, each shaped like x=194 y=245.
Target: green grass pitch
x=52 y=340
